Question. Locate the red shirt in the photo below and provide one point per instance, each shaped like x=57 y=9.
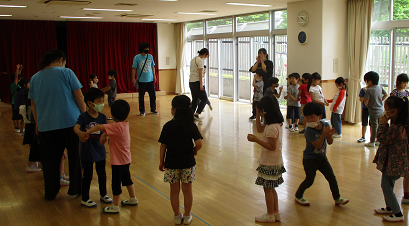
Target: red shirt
x=305 y=95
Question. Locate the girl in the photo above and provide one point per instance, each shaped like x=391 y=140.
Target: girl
x=315 y=91
x=271 y=161
x=93 y=80
x=179 y=164
x=338 y=105
x=392 y=155
x=196 y=83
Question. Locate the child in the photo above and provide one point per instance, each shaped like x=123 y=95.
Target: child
x=179 y=164
x=392 y=157
x=304 y=96
x=93 y=80
x=271 y=161
x=24 y=84
x=315 y=91
x=204 y=91
x=120 y=147
x=400 y=91
x=374 y=96
x=17 y=118
x=64 y=181
x=317 y=135
x=338 y=105
x=258 y=93
x=272 y=84
x=30 y=136
x=111 y=88
x=293 y=104
x=364 y=114
x=92 y=150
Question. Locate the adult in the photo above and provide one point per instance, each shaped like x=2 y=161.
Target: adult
x=56 y=102
x=263 y=67
x=144 y=68
x=196 y=82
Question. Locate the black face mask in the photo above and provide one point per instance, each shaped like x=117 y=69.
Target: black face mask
x=146 y=51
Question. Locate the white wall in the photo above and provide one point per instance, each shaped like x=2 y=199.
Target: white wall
x=166 y=46
x=334 y=39
x=308 y=57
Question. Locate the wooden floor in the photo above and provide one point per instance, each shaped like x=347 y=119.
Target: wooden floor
x=224 y=190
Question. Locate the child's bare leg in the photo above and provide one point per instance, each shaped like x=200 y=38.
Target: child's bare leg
x=188 y=197
x=364 y=131
x=275 y=200
x=297 y=120
x=16 y=123
x=21 y=126
x=116 y=200
x=131 y=190
x=289 y=122
x=174 y=197
x=268 y=193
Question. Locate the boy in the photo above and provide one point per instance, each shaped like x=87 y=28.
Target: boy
x=272 y=84
x=317 y=135
x=17 y=117
x=293 y=104
x=258 y=93
x=120 y=148
x=111 y=88
x=374 y=96
x=92 y=150
x=304 y=96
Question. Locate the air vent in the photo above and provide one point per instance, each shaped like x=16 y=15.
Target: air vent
x=208 y=11
x=66 y=2
x=126 y=4
x=134 y=15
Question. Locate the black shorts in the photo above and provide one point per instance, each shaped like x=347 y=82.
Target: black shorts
x=16 y=114
x=365 y=115
x=120 y=175
x=293 y=112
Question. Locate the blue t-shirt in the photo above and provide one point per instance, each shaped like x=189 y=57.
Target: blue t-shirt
x=312 y=135
x=147 y=74
x=362 y=94
x=52 y=89
x=92 y=150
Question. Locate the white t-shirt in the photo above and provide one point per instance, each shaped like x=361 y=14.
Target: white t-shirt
x=195 y=64
x=268 y=157
x=317 y=92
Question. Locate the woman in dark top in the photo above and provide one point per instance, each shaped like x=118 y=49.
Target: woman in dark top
x=263 y=66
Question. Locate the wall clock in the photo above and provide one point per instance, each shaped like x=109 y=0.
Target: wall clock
x=302 y=18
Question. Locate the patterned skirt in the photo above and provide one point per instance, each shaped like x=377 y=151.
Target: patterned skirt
x=270 y=176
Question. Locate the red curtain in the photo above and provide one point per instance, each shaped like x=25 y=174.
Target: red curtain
x=97 y=47
x=23 y=42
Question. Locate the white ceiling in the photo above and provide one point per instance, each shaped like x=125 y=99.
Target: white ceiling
x=38 y=10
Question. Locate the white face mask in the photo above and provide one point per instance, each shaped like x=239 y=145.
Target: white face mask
x=339 y=87
x=312 y=124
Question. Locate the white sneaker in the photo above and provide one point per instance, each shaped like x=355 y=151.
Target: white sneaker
x=88 y=203
x=337 y=135
x=265 y=218
x=178 y=219
x=106 y=199
x=64 y=182
x=383 y=211
x=302 y=201
x=393 y=218
x=111 y=209
x=341 y=201
x=370 y=144
x=32 y=169
x=296 y=128
x=277 y=216
x=187 y=219
x=292 y=129
x=130 y=202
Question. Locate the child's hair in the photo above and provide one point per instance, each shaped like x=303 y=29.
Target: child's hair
x=341 y=81
x=295 y=75
x=314 y=76
x=92 y=94
x=52 y=56
x=401 y=78
x=23 y=82
x=270 y=106
x=306 y=76
x=203 y=51
x=400 y=104
x=92 y=76
x=120 y=110
x=112 y=73
x=312 y=108
x=143 y=46
x=272 y=80
x=262 y=50
x=183 y=112
x=372 y=76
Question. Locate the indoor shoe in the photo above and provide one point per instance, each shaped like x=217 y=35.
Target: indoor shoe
x=265 y=218
x=370 y=144
x=130 y=202
x=341 y=201
x=88 y=203
x=277 y=216
x=64 y=182
x=337 y=135
x=32 y=169
x=383 y=211
x=393 y=218
x=154 y=113
x=361 y=140
x=296 y=128
x=111 y=209
x=187 y=219
x=302 y=201
x=142 y=114
x=178 y=219
x=106 y=199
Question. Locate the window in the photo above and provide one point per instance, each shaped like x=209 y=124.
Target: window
x=401 y=51
x=245 y=62
x=400 y=9
x=381 y=10
x=253 y=22
x=379 y=55
x=219 y=26
x=280 y=19
x=195 y=28
x=281 y=64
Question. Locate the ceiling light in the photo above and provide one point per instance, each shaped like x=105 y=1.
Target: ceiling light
x=210 y=14
x=6 y=15
x=80 y=17
x=160 y=19
x=14 y=6
x=245 y=4
x=113 y=10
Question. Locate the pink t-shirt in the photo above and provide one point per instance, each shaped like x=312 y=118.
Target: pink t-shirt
x=268 y=157
x=119 y=142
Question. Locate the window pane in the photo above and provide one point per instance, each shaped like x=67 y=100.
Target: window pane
x=245 y=62
x=213 y=67
x=252 y=22
x=281 y=64
x=194 y=28
x=226 y=61
x=280 y=19
x=400 y=9
x=220 y=26
x=381 y=10
x=402 y=51
x=379 y=56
